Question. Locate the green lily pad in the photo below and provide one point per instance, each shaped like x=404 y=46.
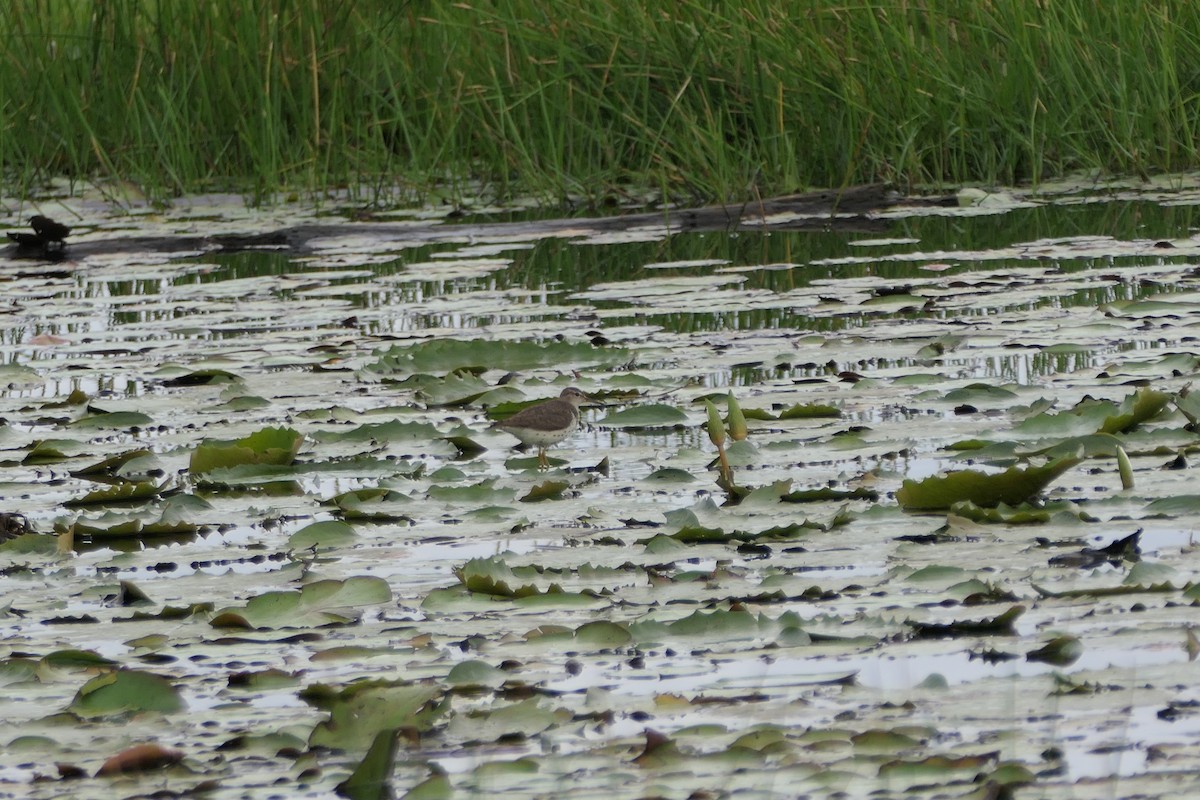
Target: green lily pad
x=271 y=446
x=126 y=692
x=112 y=464
x=476 y=673
x=48 y=451
x=492 y=576
x=361 y=711
x=121 y=493
x=653 y=415
x=322 y=535
x=1012 y=487
x=118 y=420
x=323 y=603
x=448 y=355
x=809 y=411
x=376 y=504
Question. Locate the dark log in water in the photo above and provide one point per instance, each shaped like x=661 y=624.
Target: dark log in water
x=848 y=209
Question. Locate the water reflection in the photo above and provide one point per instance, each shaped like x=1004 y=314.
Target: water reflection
x=111 y=309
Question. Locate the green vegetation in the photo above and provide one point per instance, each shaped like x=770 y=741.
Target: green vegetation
x=401 y=101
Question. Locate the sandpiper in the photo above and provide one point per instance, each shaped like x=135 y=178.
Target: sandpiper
x=546 y=423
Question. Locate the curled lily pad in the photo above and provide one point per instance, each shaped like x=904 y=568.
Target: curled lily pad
x=179 y=376
x=547 y=490
x=376 y=504
x=999 y=625
x=1142 y=405
x=112 y=464
x=114 y=419
x=273 y=446
x=47 y=451
x=809 y=411
x=494 y=577
x=1012 y=487
x=121 y=493
x=360 y=711
x=327 y=602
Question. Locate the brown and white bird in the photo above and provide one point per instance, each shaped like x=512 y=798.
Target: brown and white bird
x=544 y=424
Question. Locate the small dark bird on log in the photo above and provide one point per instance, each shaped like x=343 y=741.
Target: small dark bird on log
x=50 y=232
x=48 y=236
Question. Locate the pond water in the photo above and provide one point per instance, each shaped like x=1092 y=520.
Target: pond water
x=534 y=632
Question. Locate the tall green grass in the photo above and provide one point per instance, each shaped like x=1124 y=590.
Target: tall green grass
x=703 y=100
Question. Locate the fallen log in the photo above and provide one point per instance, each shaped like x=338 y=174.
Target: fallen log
x=847 y=209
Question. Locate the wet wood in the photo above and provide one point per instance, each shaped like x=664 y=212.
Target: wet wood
x=848 y=209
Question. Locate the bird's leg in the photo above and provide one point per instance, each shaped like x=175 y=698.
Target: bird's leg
x=542 y=462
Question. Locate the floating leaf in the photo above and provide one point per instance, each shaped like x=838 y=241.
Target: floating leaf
x=77 y=660
x=809 y=411
x=48 y=451
x=1179 y=505
x=671 y=475
x=322 y=535
x=361 y=711
x=273 y=446
x=375 y=504
x=121 y=493
x=546 y=490
x=603 y=634
x=1000 y=625
x=1012 y=487
x=522 y=719
x=651 y=415
x=112 y=464
x=476 y=673
x=392 y=431
x=448 y=355
x=30 y=544
x=199 y=377
x=1143 y=405
x=327 y=602
x=494 y=577
x=126 y=691
x=118 y=420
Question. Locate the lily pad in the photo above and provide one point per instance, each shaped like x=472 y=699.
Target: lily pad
x=270 y=446
x=126 y=692
x=448 y=355
x=1011 y=487
x=327 y=602
x=652 y=415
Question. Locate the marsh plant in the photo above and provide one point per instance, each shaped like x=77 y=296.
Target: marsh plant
x=403 y=101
